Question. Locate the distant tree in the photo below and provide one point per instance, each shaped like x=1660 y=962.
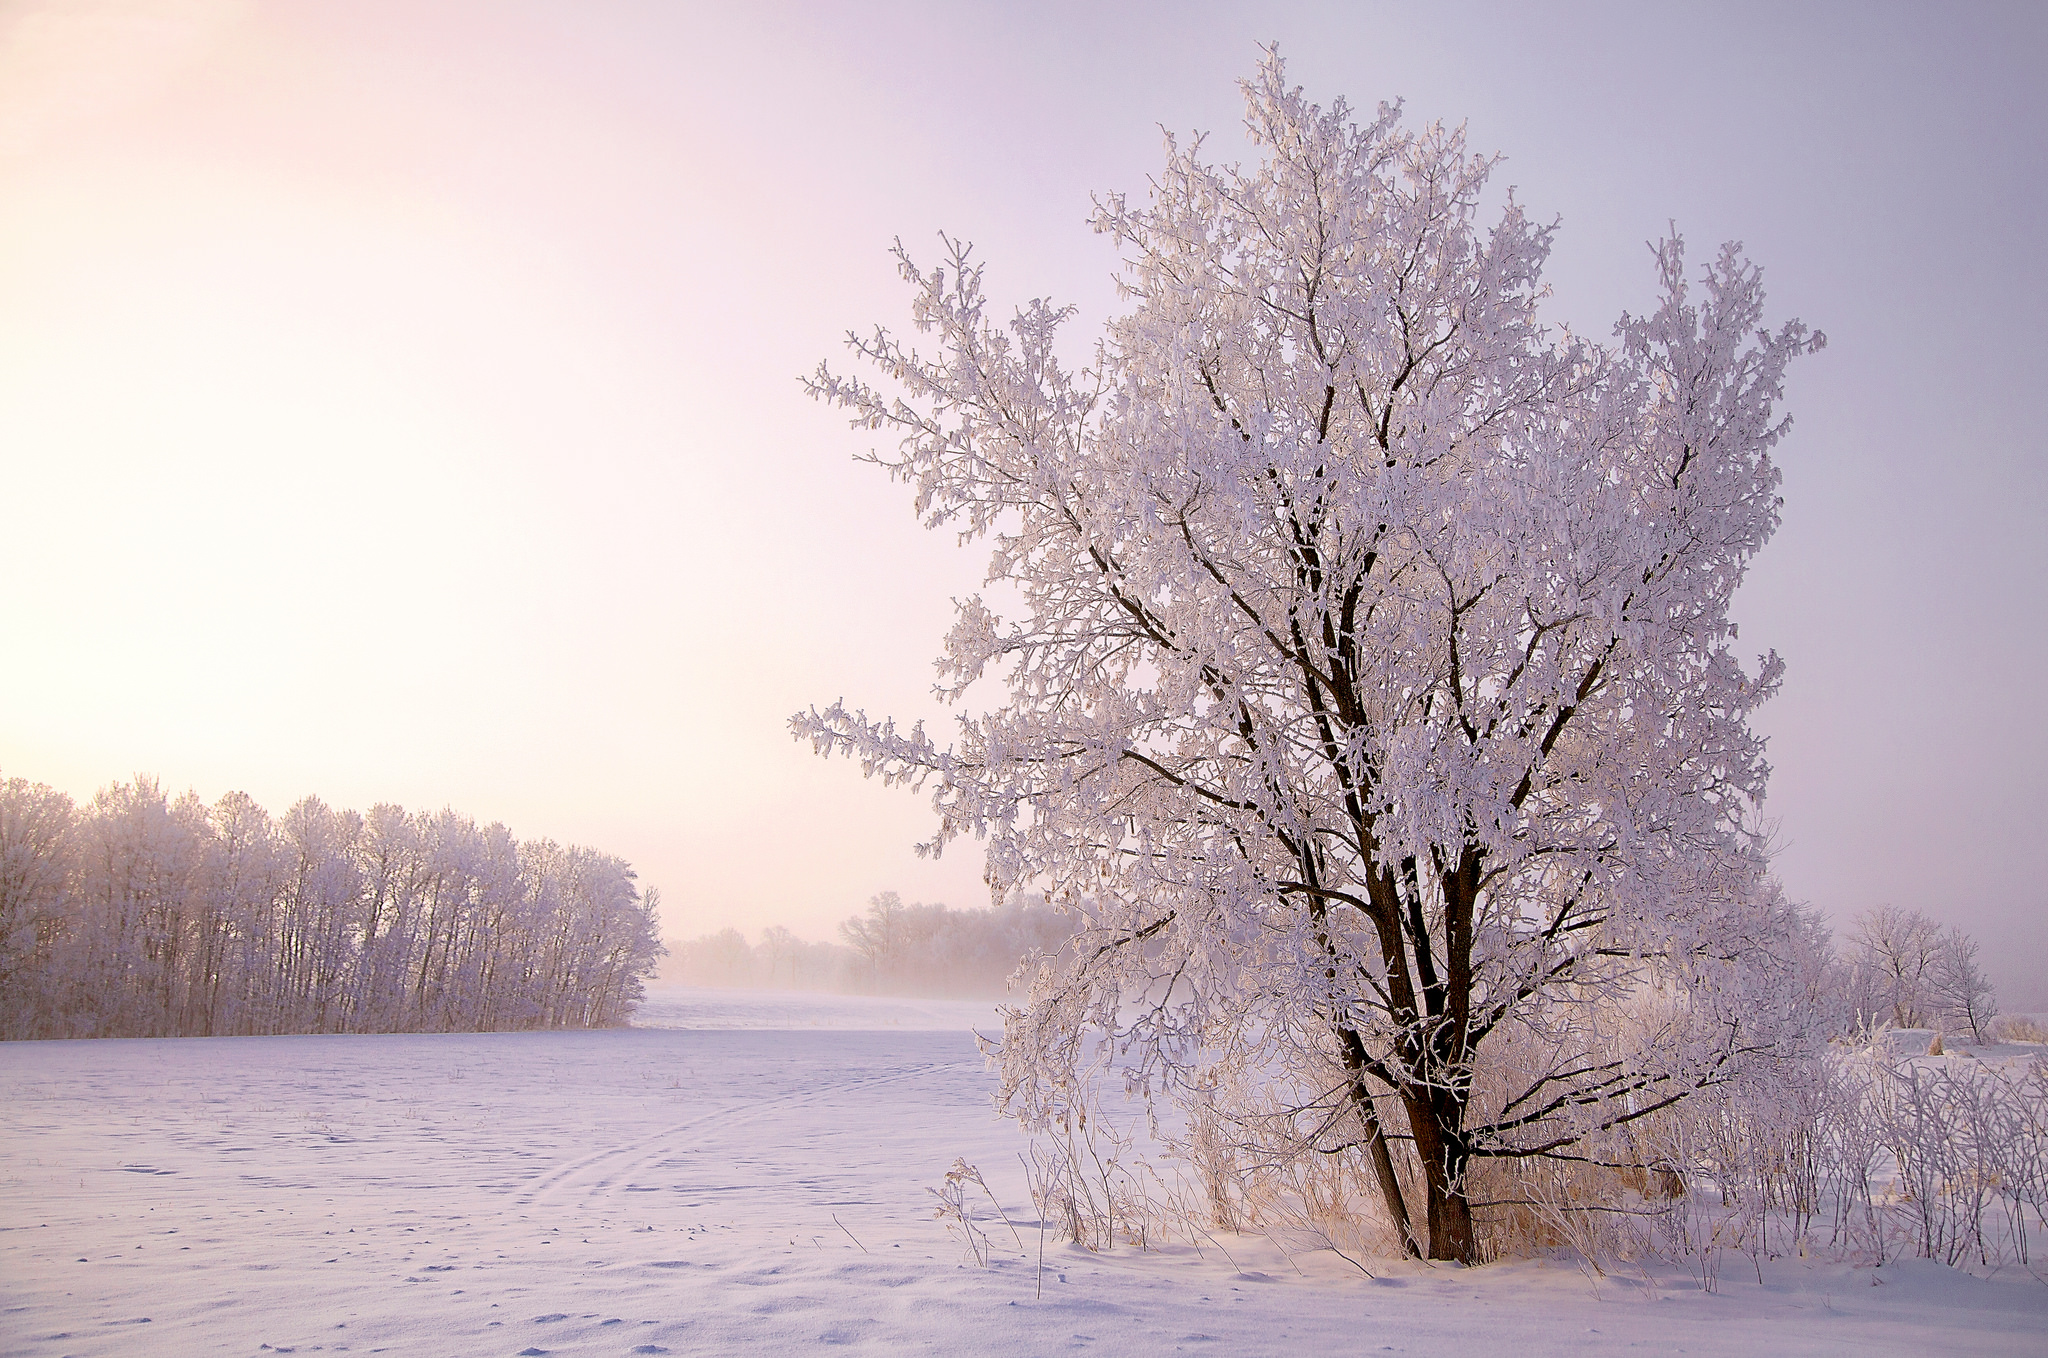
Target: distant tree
x=1374 y=703
x=879 y=938
x=780 y=950
x=1958 y=988
x=36 y=825
x=1896 y=953
x=937 y=950
x=719 y=959
x=140 y=861
x=891 y=948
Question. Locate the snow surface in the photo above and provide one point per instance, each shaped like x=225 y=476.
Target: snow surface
x=750 y=1176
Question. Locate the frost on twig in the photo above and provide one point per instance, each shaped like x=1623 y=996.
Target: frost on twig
x=957 y=1207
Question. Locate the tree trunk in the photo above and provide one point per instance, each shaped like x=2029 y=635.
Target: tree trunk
x=1353 y=1048
x=1390 y=1185
x=1434 y=1117
x=1450 y=1221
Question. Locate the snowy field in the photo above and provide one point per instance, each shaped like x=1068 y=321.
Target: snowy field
x=747 y=1173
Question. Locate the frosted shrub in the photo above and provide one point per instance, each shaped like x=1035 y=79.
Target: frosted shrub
x=1274 y=1158
x=1855 y=1154
x=1866 y=1156
x=1849 y=1153
x=1089 y=1185
x=959 y=1206
x=1966 y=1140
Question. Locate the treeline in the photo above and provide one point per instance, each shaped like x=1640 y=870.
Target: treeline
x=142 y=916
x=1894 y=968
x=891 y=949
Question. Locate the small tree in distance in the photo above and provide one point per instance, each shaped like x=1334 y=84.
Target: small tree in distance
x=1962 y=991
x=1909 y=972
x=1374 y=703
x=1895 y=953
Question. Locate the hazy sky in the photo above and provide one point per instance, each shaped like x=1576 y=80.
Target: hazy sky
x=398 y=400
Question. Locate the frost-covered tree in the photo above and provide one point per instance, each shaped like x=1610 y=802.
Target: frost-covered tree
x=36 y=825
x=1962 y=993
x=1374 y=700
x=1910 y=972
x=1895 y=953
x=139 y=868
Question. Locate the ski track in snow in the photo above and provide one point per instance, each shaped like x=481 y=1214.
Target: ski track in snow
x=599 y=1173
x=729 y=1189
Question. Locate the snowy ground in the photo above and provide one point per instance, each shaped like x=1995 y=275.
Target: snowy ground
x=715 y=1185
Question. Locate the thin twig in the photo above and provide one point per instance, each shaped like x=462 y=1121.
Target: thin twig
x=1275 y=1243
x=999 y=1209
x=1039 y=1202
x=1226 y=1253
x=1331 y=1245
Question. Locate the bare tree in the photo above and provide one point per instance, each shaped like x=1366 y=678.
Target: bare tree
x=1957 y=988
x=878 y=937
x=780 y=949
x=1896 y=952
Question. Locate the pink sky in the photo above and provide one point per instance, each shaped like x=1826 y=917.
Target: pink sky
x=398 y=401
